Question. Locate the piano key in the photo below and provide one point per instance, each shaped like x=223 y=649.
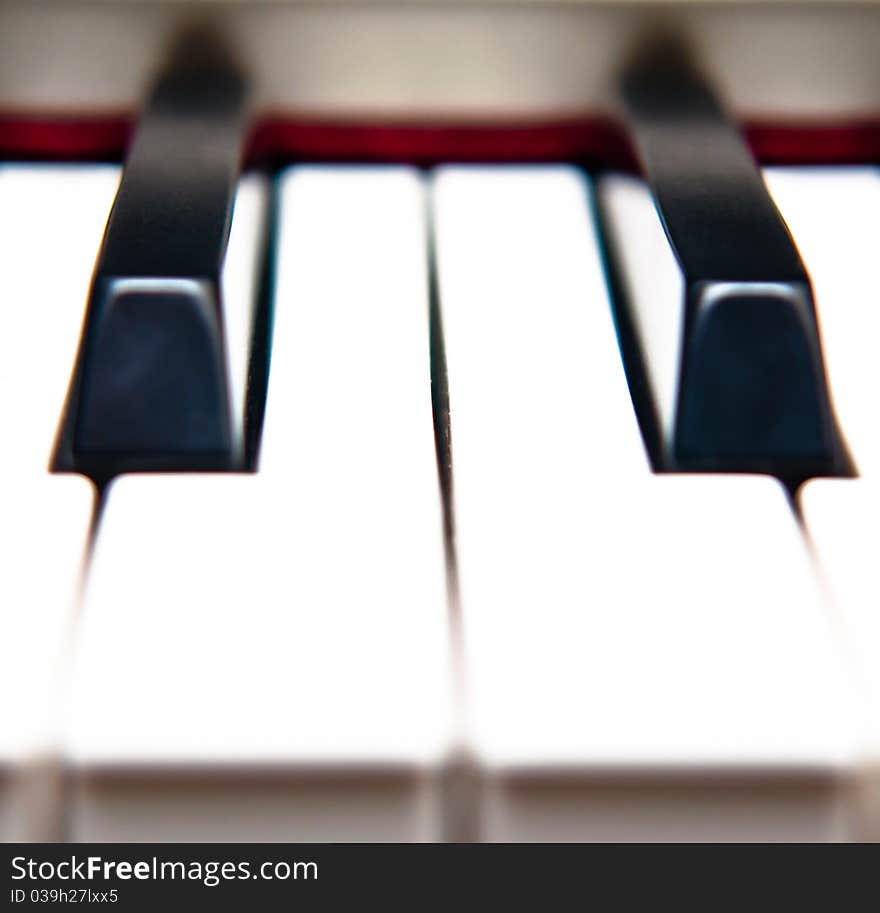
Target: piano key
x=152 y=384
x=840 y=517
x=506 y=239
x=647 y=657
x=681 y=683
x=834 y=213
x=372 y=221
x=278 y=644
x=51 y=221
x=240 y=292
x=44 y=524
x=737 y=371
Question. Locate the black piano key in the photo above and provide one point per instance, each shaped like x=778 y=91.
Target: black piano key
x=751 y=389
x=151 y=390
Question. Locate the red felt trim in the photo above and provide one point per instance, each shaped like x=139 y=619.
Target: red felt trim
x=278 y=140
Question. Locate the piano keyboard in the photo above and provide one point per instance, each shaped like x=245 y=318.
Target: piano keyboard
x=482 y=502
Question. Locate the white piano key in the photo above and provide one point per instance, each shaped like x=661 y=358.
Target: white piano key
x=841 y=519
x=518 y=258
x=677 y=665
x=647 y=657
x=653 y=285
x=51 y=221
x=278 y=644
x=44 y=526
x=834 y=216
x=240 y=288
x=352 y=245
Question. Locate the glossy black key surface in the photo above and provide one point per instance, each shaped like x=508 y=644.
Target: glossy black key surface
x=151 y=389
x=751 y=393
